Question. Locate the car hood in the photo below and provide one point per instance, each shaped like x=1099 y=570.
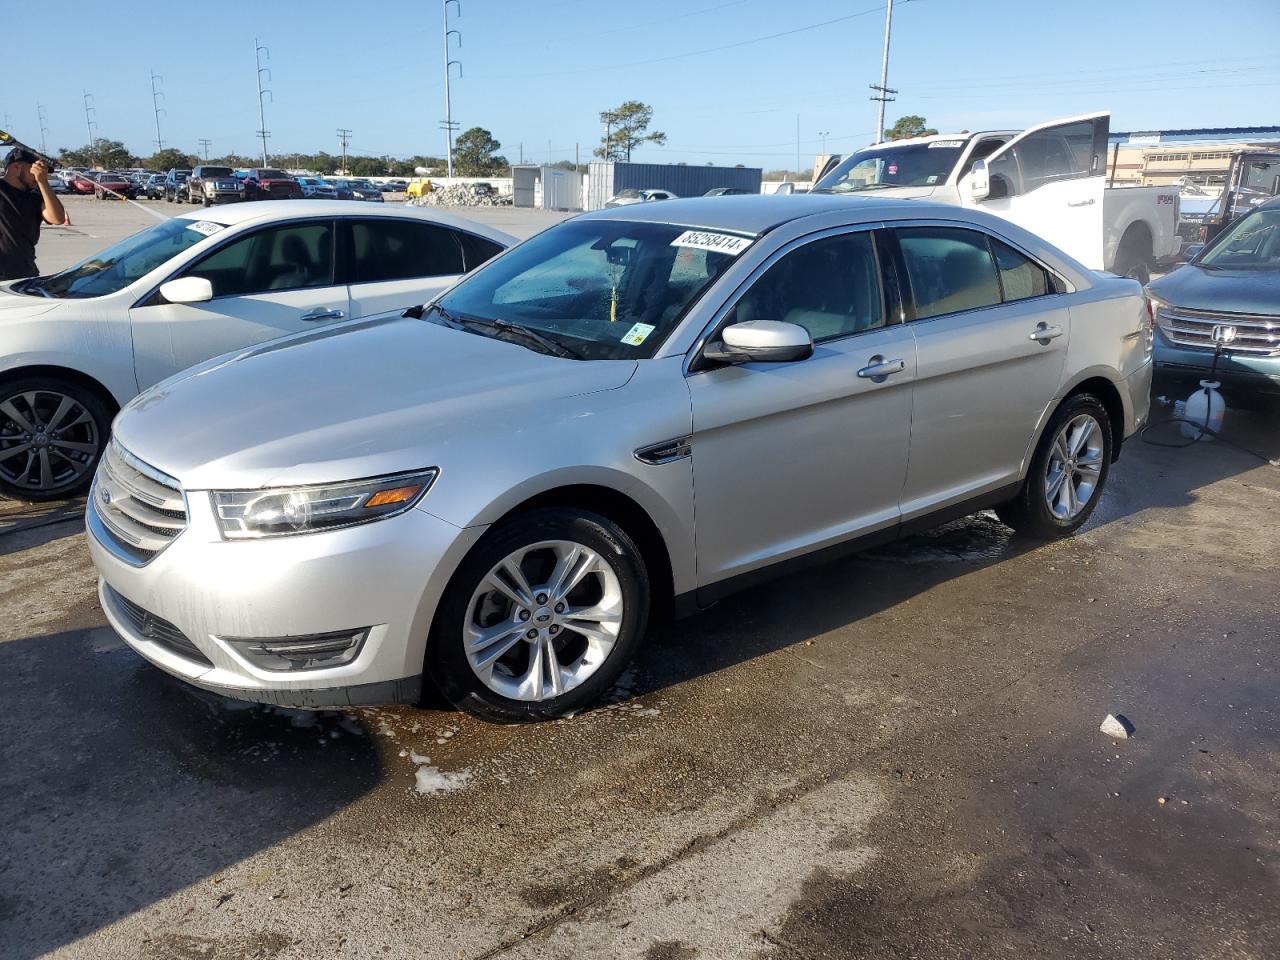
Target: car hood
x=18 y=306
x=361 y=399
x=1230 y=291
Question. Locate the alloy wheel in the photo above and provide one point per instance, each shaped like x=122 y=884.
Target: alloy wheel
x=543 y=620
x=1074 y=467
x=48 y=440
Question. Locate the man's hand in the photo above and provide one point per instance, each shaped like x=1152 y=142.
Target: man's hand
x=40 y=172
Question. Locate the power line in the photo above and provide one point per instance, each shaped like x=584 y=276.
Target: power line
x=205 y=144
x=448 y=124
x=44 y=129
x=156 y=95
x=89 y=123
x=344 y=137
x=263 y=132
x=882 y=88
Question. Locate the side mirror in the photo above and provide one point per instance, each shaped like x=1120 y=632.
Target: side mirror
x=785 y=189
x=761 y=341
x=1193 y=251
x=979 y=182
x=187 y=290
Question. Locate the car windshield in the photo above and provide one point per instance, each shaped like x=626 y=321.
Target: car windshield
x=119 y=265
x=215 y=172
x=607 y=289
x=909 y=165
x=272 y=175
x=1251 y=243
x=362 y=184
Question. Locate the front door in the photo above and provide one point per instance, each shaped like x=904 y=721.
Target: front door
x=983 y=377
x=792 y=457
x=266 y=284
x=1050 y=179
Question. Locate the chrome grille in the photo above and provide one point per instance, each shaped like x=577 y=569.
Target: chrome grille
x=1255 y=335
x=156 y=629
x=141 y=509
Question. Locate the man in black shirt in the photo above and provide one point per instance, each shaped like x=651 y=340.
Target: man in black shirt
x=25 y=200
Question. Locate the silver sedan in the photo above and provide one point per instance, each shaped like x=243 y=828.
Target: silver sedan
x=637 y=411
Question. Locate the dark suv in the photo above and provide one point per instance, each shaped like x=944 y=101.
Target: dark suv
x=175 y=185
x=264 y=184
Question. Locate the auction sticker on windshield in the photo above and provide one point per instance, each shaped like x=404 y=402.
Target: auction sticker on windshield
x=207 y=227
x=946 y=143
x=706 y=240
x=637 y=334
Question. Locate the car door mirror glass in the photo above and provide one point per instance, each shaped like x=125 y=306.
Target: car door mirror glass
x=187 y=290
x=979 y=181
x=761 y=341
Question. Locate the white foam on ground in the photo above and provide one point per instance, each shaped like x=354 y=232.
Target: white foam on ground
x=433 y=780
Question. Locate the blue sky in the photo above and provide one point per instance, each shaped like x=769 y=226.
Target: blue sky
x=724 y=85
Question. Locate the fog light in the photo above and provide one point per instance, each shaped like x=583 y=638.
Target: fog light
x=312 y=652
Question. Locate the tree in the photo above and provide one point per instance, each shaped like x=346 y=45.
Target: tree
x=906 y=127
x=625 y=128
x=171 y=158
x=475 y=154
x=104 y=153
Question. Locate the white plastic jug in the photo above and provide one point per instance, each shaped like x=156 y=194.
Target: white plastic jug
x=1205 y=408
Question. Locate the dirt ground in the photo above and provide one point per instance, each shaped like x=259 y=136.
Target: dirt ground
x=896 y=755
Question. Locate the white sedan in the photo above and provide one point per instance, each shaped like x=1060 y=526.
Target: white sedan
x=77 y=345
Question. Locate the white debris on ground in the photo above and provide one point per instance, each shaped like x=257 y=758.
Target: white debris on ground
x=433 y=780
x=1117 y=726
x=462 y=195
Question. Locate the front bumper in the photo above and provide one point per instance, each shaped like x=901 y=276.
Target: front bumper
x=1244 y=372
x=387 y=576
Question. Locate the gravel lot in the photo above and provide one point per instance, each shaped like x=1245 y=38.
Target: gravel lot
x=893 y=756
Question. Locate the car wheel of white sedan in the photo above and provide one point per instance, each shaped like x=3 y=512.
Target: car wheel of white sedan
x=541 y=617
x=1067 y=473
x=52 y=433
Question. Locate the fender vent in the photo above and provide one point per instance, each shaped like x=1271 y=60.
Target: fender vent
x=666 y=452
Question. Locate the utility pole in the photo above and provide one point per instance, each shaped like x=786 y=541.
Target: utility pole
x=448 y=124
x=156 y=95
x=90 y=124
x=205 y=144
x=882 y=89
x=263 y=132
x=344 y=137
x=44 y=129
x=797 y=143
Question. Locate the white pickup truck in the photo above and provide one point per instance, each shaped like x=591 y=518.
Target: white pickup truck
x=1049 y=179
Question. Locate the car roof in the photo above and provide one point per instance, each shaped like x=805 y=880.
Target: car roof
x=756 y=214
x=265 y=211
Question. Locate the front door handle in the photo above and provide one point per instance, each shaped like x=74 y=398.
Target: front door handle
x=1080 y=203
x=878 y=369
x=315 y=315
x=1044 y=332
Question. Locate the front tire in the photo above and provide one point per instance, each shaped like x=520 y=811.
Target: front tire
x=540 y=618
x=1067 y=474
x=52 y=434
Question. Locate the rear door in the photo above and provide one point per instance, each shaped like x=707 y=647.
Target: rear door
x=983 y=377
x=266 y=283
x=1052 y=177
x=396 y=263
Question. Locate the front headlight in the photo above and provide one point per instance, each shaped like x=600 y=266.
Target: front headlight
x=282 y=511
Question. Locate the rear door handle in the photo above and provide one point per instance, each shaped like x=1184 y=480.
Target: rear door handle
x=1045 y=332
x=878 y=369
x=315 y=315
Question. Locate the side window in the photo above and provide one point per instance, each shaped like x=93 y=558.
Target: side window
x=1019 y=277
x=402 y=250
x=1065 y=152
x=831 y=287
x=948 y=269
x=289 y=257
x=476 y=250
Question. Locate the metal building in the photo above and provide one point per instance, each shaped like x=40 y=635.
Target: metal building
x=607 y=178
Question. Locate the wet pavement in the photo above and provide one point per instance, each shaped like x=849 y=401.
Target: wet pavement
x=893 y=756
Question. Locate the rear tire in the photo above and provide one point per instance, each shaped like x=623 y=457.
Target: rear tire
x=1067 y=473
x=52 y=434
x=511 y=681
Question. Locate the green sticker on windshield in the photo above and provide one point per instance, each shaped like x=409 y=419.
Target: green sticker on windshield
x=637 y=334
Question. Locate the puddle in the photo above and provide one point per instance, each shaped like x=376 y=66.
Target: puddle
x=967 y=540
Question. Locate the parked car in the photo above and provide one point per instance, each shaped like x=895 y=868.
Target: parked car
x=726 y=192
x=58 y=183
x=175 y=184
x=355 y=190
x=1050 y=179
x=493 y=492
x=83 y=183
x=210 y=185
x=153 y=187
x=261 y=183
x=109 y=185
x=77 y=345
x=316 y=187
x=629 y=196
x=394 y=186
x=1226 y=300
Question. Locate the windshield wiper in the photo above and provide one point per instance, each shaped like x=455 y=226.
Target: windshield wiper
x=500 y=330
